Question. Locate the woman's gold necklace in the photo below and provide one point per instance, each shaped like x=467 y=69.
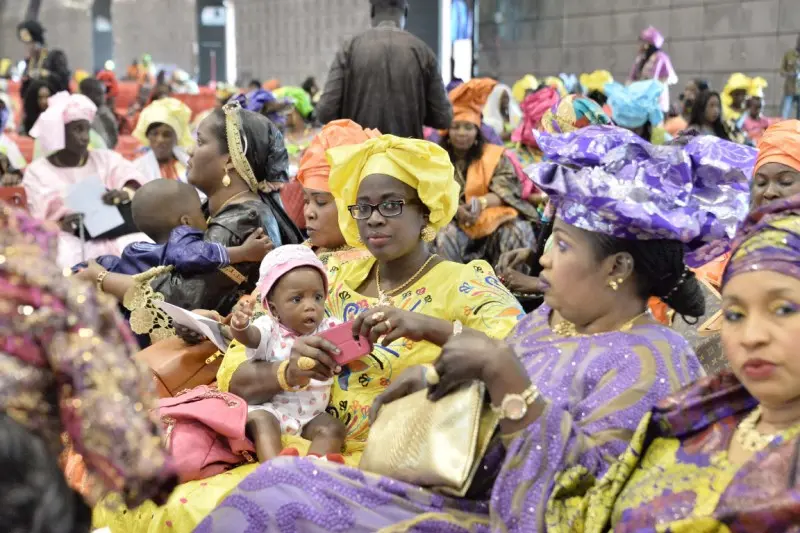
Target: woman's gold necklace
x=225 y=204
x=750 y=438
x=568 y=329
x=385 y=297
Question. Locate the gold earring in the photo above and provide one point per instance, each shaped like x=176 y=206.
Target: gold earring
x=615 y=283
x=226 y=180
x=428 y=234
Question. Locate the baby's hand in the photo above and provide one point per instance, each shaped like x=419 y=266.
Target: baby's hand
x=242 y=314
x=256 y=246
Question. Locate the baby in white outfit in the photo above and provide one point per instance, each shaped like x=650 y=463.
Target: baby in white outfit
x=292 y=286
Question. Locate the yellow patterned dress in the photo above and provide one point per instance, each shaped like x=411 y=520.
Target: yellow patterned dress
x=451 y=291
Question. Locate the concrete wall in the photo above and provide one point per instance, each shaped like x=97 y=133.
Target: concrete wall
x=292 y=39
x=164 y=28
x=705 y=38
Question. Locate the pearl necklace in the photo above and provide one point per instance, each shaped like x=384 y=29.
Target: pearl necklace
x=750 y=438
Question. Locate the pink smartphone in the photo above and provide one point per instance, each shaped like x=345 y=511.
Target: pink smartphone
x=352 y=349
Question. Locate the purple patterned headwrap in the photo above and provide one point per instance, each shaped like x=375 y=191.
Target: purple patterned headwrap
x=255 y=101
x=609 y=180
x=653 y=36
x=768 y=240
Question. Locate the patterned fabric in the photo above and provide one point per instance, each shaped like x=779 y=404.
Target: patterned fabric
x=596 y=386
x=676 y=476
x=572 y=113
x=470 y=293
x=628 y=188
x=295 y=409
x=67 y=371
x=769 y=239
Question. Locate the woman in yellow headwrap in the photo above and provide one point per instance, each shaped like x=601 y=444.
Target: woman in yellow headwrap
x=405 y=189
x=524 y=86
x=594 y=85
x=164 y=127
x=492 y=216
x=734 y=97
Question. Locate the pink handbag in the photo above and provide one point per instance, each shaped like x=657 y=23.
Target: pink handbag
x=205 y=432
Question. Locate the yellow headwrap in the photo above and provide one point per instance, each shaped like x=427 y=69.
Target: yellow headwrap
x=169 y=111
x=423 y=165
x=739 y=81
x=526 y=83
x=558 y=84
x=596 y=81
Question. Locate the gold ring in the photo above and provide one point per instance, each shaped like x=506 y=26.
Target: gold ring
x=306 y=363
x=431 y=375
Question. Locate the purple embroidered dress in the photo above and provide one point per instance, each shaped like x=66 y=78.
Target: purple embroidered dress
x=598 y=387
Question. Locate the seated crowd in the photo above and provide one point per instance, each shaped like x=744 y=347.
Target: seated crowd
x=563 y=315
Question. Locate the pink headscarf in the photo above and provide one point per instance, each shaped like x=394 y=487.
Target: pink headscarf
x=282 y=260
x=533 y=109
x=652 y=36
x=62 y=108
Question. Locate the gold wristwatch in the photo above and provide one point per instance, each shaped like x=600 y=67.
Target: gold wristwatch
x=514 y=407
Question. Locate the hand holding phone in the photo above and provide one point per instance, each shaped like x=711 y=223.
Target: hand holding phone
x=351 y=348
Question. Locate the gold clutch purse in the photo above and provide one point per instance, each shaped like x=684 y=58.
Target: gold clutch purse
x=436 y=445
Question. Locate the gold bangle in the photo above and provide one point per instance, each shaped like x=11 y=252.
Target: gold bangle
x=101 y=277
x=282 y=376
x=484 y=202
x=282 y=381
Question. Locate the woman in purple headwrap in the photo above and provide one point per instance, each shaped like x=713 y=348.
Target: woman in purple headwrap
x=652 y=63
x=574 y=377
x=721 y=455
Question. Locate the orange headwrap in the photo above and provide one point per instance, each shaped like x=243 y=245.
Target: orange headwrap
x=470 y=98
x=271 y=85
x=314 y=167
x=780 y=144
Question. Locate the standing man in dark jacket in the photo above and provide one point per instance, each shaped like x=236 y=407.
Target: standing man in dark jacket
x=386 y=78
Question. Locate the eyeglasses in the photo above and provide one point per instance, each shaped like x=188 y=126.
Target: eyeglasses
x=388 y=209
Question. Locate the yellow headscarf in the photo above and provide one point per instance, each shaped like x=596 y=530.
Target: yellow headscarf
x=558 y=84
x=739 y=81
x=423 y=165
x=169 y=111
x=596 y=81
x=529 y=82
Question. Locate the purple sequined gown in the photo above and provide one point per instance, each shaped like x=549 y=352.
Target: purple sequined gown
x=598 y=388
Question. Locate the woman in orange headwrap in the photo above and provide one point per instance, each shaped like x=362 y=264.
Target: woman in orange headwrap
x=321 y=216
x=492 y=216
